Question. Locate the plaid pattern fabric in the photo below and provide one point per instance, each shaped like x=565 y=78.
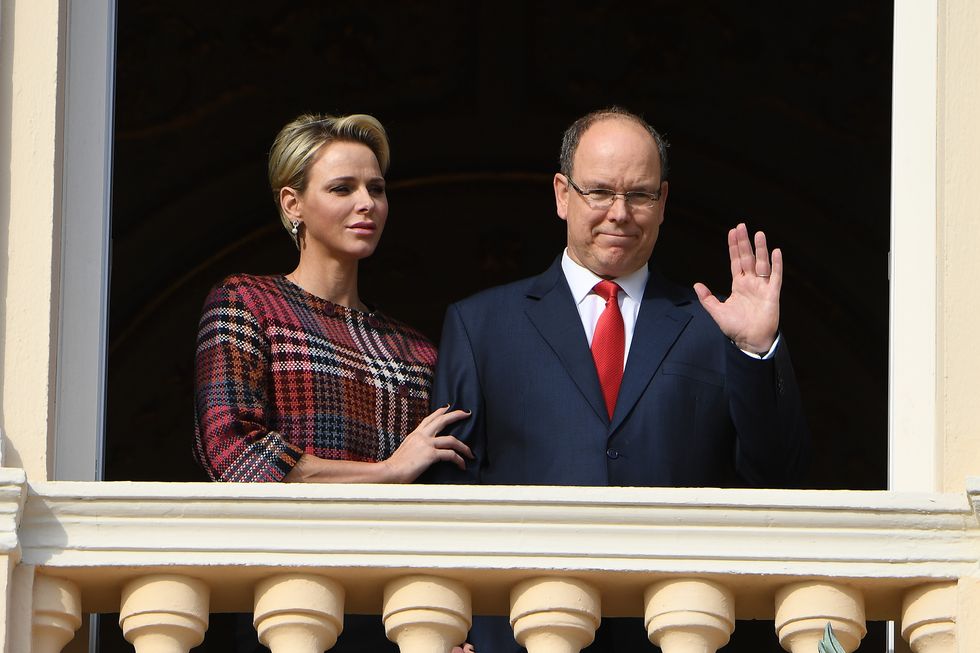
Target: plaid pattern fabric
x=281 y=372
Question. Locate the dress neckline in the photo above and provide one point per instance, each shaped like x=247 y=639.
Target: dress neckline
x=331 y=307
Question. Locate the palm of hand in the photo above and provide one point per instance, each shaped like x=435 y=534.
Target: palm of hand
x=750 y=315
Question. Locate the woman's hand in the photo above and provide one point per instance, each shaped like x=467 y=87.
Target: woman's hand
x=424 y=446
x=465 y=648
x=418 y=450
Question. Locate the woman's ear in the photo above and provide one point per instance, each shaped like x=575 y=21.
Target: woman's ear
x=291 y=202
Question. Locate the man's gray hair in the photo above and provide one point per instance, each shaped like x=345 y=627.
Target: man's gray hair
x=570 y=141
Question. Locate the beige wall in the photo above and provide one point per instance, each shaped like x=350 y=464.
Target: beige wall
x=958 y=184
x=31 y=73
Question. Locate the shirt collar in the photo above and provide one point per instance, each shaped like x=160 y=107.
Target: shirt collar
x=581 y=280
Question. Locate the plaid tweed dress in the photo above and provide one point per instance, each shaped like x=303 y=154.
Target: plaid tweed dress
x=281 y=372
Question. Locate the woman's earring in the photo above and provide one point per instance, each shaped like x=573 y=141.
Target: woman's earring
x=295 y=229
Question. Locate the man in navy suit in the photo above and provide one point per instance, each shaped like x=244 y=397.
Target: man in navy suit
x=706 y=394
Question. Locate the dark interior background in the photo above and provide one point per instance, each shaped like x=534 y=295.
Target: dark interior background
x=777 y=114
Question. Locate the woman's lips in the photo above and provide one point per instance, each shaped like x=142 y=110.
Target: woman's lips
x=363 y=227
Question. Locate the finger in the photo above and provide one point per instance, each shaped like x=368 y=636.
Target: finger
x=434 y=422
x=776 y=280
x=450 y=456
x=702 y=292
x=439 y=423
x=441 y=410
x=745 y=256
x=762 y=267
x=451 y=442
x=708 y=301
x=733 y=257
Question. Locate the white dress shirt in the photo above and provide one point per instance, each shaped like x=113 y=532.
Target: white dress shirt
x=590 y=305
x=581 y=281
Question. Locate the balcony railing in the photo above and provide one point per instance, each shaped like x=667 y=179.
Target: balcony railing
x=689 y=561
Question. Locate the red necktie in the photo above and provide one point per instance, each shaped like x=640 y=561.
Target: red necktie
x=609 y=344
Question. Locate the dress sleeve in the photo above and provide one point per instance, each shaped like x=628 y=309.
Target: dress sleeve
x=232 y=439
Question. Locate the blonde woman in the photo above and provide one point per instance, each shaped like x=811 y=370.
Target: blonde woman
x=298 y=379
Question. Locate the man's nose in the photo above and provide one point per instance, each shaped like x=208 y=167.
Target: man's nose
x=619 y=210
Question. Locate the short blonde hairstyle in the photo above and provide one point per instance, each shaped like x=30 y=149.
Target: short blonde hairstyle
x=297 y=144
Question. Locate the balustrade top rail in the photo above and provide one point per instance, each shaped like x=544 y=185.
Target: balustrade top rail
x=619 y=539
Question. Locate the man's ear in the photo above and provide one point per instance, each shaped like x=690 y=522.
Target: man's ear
x=663 y=201
x=561 y=195
x=290 y=202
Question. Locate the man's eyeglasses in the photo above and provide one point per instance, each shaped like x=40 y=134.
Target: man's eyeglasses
x=603 y=198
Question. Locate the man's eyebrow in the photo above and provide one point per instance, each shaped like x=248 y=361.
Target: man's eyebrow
x=653 y=187
x=596 y=185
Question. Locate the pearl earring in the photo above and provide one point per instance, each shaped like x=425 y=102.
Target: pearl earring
x=295 y=229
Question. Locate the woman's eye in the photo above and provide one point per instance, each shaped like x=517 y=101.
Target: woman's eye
x=376 y=191
x=340 y=190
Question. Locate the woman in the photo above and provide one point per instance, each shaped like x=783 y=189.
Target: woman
x=297 y=378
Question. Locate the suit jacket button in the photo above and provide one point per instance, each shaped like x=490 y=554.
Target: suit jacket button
x=612 y=454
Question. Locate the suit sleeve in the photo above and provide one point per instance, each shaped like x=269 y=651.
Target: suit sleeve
x=773 y=440
x=457 y=382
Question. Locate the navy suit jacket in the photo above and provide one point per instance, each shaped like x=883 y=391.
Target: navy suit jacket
x=693 y=410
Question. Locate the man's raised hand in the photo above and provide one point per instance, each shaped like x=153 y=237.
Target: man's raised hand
x=750 y=314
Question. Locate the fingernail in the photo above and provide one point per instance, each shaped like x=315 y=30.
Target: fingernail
x=447 y=406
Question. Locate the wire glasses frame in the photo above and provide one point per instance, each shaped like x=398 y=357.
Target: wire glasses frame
x=603 y=198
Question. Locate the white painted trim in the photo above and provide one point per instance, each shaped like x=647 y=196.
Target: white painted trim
x=13 y=493
x=100 y=534
x=80 y=407
x=913 y=438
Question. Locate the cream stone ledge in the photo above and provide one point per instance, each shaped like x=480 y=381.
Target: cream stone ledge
x=619 y=540
x=973 y=492
x=13 y=492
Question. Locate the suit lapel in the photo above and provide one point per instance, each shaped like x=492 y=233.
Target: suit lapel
x=553 y=313
x=658 y=326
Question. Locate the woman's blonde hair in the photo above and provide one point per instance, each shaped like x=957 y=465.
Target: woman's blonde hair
x=297 y=144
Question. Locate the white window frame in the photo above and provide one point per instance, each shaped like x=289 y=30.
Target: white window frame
x=914 y=442
x=81 y=380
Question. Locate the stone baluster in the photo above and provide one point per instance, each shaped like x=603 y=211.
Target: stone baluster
x=554 y=615
x=426 y=614
x=299 y=613
x=164 y=613
x=57 y=613
x=929 y=618
x=804 y=609
x=689 y=615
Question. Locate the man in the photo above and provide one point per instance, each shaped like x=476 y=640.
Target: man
x=575 y=381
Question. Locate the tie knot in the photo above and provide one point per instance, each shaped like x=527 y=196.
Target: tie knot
x=607 y=289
